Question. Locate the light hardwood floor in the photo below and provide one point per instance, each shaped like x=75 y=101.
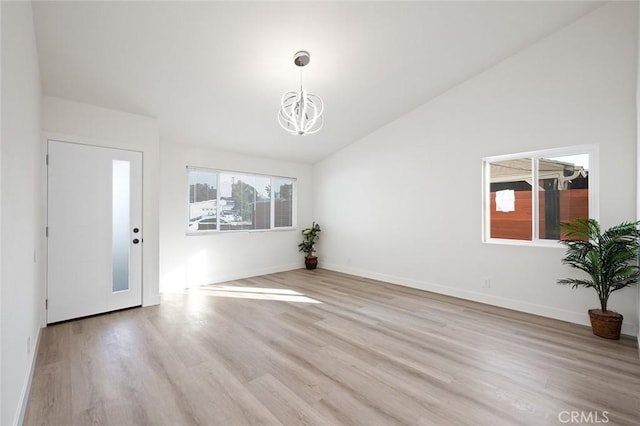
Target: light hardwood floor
x=257 y=351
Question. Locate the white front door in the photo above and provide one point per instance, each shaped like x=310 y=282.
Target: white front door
x=94 y=230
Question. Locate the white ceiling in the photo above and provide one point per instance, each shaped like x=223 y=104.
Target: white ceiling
x=213 y=72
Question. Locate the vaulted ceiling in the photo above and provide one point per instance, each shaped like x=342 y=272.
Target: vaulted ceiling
x=212 y=73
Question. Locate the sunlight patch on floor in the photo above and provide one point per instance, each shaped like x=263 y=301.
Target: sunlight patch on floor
x=279 y=294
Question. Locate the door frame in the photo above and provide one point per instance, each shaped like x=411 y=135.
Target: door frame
x=150 y=209
x=119 y=299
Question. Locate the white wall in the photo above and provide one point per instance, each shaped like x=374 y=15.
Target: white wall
x=404 y=203
x=638 y=157
x=187 y=261
x=22 y=268
x=81 y=123
x=1 y=136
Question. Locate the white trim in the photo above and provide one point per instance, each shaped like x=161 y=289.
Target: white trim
x=637 y=105
x=535 y=200
x=218 y=231
x=150 y=208
x=151 y=301
x=241 y=275
x=554 y=152
x=237 y=231
x=294 y=207
x=214 y=170
x=272 y=206
x=24 y=396
x=535 y=156
x=527 y=243
x=581 y=318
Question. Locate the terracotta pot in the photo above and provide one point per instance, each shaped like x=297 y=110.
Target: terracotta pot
x=311 y=262
x=605 y=324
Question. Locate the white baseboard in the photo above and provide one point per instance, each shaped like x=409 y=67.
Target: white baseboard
x=24 y=396
x=503 y=302
x=255 y=273
x=216 y=279
x=151 y=301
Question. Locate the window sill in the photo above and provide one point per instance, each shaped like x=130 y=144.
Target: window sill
x=237 y=231
x=525 y=243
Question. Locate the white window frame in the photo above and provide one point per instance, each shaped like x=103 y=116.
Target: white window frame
x=218 y=172
x=591 y=150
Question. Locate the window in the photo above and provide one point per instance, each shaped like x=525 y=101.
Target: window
x=230 y=201
x=283 y=202
x=517 y=210
x=203 y=200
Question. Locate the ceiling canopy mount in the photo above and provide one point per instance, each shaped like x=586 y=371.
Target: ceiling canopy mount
x=300 y=111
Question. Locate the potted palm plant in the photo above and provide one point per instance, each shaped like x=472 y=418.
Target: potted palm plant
x=309 y=238
x=610 y=258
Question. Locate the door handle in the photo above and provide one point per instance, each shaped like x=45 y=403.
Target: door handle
x=135 y=241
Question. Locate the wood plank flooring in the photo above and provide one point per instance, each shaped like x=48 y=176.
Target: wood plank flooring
x=319 y=347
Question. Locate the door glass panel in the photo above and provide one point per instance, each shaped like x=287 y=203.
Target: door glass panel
x=120 y=225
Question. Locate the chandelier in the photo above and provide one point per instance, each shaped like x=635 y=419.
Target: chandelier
x=301 y=112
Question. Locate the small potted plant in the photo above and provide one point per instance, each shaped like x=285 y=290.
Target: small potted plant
x=610 y=258
x=309 y=238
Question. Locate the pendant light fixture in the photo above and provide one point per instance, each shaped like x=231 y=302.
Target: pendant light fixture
x=301 y=112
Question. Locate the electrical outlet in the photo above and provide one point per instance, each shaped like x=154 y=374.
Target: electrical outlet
x=486 y=283
x=35 y=255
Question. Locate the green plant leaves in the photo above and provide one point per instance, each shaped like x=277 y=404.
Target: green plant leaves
x=610 y=258
x=309 y=238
